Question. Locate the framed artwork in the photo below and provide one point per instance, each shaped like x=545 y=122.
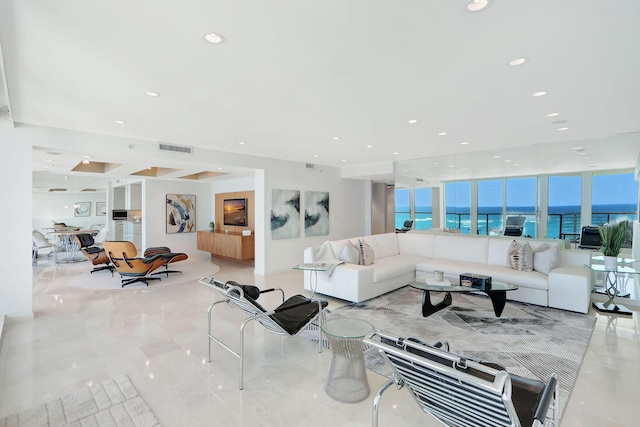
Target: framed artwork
x=82 y=209
x=101 y=208
x=285 y=214
x=316 y=213
x=181 y=213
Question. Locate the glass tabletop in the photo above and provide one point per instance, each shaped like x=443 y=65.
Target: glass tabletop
x=314 y=266
x=600 y=258
x=427 y=284
x=619 y=269
x=347 y=328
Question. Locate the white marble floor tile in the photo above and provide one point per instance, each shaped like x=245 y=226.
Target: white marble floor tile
x=157 y=336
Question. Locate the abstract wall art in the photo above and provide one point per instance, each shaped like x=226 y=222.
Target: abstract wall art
x=285 y=214
x=101 y=208
x=181 y=213
x=316 y=213
x=82 y=209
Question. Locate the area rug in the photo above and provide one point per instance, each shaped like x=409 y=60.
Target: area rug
x=529 y=340
x=114 y=402
x=192 y=269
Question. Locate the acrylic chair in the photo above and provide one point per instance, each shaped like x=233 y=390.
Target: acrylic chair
x=292 y=317
x=38 y=241
x=460 y=391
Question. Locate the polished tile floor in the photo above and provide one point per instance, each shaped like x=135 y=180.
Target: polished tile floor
x=157 y=336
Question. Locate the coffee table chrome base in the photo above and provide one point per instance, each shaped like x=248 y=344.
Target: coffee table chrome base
x=612 y=308
x=498 y=300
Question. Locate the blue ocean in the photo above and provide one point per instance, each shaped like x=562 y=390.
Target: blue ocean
x=563 y=221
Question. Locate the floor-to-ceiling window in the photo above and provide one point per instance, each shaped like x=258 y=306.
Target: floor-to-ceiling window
x=403 y=206
x=521 y=197
x=423 y=208
x=458 y=203
x=564 y=201
x=490 y=200
x=613 y=196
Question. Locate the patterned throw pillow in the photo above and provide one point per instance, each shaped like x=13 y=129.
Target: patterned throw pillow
x=520 y=257
x=350 y=254
x=366 y=253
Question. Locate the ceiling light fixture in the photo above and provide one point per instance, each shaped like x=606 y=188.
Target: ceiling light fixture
x=507 y=161
x=241 y=142
x=214 y=38
x=442 y=134
x=477 y=5
x=120 y=122
x=316 y=155
x=396 y=153
x=335 y=138
x=496 y=157
x=152 y=94
x=541 y=93
x=553 y=114
x=343 y=160
x=464 y=143
x=561 y=129
x=518 y=61
x=85 y=162
x=369 y=146
x=412 y=121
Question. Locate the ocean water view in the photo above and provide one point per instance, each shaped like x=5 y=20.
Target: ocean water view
x=563 y=221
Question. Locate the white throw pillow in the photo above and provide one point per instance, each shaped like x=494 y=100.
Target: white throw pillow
x=324 y=253
x=546 y=258
x=366 y=253
x=520 y=257
x=350 y=254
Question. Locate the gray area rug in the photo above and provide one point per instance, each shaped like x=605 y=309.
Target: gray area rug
x=529 y=340
x=112 y=403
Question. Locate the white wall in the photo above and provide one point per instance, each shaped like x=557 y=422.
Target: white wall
x=16 y=295
x=58 y=207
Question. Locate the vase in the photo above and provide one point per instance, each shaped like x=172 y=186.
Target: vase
x=611 y=262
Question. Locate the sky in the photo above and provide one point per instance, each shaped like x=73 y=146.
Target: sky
x=563 y=191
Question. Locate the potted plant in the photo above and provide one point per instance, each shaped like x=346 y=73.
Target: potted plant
x=212 y=225
x=612 y=236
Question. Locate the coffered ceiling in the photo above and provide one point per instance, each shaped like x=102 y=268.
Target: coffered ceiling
x=336 y=82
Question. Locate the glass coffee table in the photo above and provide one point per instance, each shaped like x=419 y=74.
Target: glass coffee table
x=497 y=292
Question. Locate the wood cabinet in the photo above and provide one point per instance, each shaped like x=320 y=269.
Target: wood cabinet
x=232 y=245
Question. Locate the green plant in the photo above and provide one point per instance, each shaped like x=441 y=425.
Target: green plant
x=212 y=225
x=613 y=236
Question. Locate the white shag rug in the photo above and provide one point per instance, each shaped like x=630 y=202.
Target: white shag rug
x=112 y=403
x=192 y=269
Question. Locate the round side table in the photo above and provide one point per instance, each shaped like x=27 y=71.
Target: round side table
x=347 y=378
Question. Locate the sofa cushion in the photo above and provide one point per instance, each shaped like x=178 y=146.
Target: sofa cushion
x=499 y=246
x=337 y=245
x=350 y=254
x=394 y=266
x=546 y=258
x=366 y=253
x=520 y=256
x=417 y=244
x=459 y=248
x=324 y=252
x=387 y=245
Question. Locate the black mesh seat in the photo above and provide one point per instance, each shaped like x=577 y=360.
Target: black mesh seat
x=295 y=315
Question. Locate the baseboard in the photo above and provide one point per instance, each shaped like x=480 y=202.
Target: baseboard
x=19 y=318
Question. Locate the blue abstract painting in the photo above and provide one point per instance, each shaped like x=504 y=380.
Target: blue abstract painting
x=181 y=213
x=316 y=213
x=285 y=214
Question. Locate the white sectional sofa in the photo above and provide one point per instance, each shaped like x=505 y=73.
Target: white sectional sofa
x=399 y=258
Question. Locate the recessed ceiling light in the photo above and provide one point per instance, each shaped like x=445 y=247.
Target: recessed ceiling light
x=316 y=155
x=541 y=93
x=49 y=161
x=412 y=121
x=507 y=161
x=578 y=149
x=396 y=153
x=335 y=138
x=214 y=38
x=219 y=169
x=553 y=114
x=477 y=5
x=436 y=163
x=86 y=156
x=518 y=61
x=496 y=157
x=241 y=142
x=369 y=146
x=153 y=94
x=85 y=162
x=450 y=166
x=561 y=129
x=442 y=133
x=120 y=122
x=405 y=170
x=464 y=143
x=343 y=160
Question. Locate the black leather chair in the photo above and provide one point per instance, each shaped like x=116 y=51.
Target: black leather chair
x=514 y=226
x=96 y=255
x=460 y=391
x=406 y=226
x=295 y=315
x=166 y=253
